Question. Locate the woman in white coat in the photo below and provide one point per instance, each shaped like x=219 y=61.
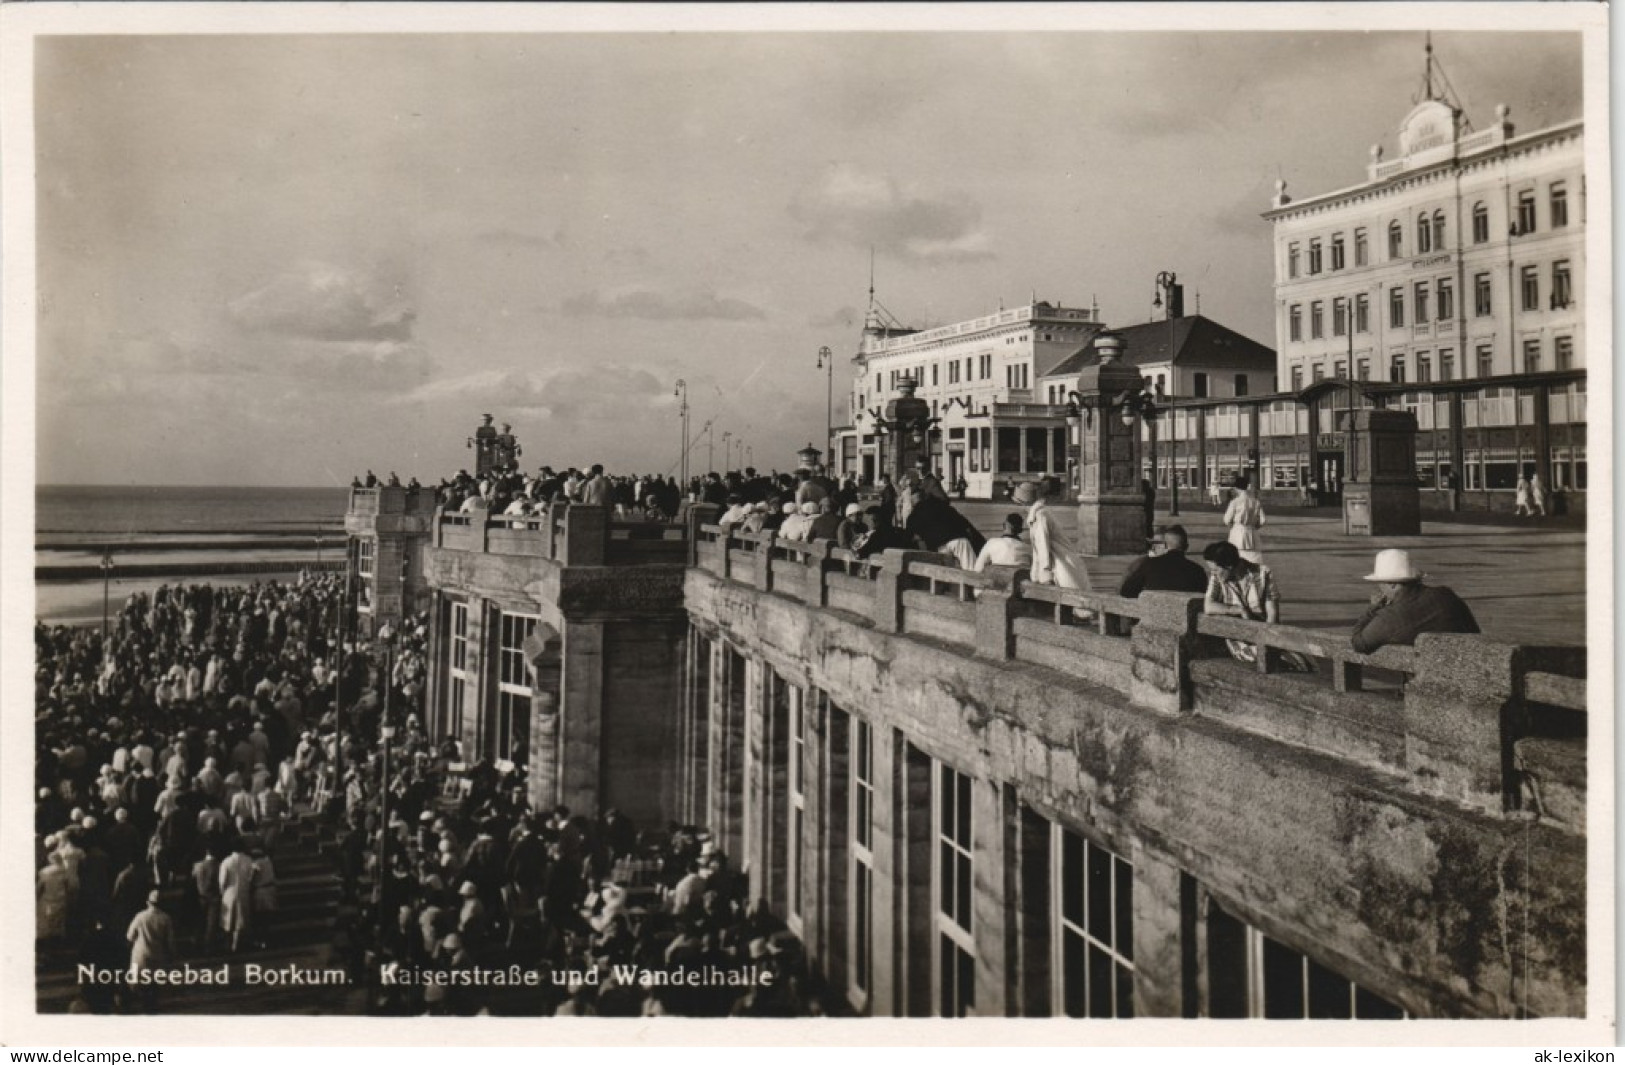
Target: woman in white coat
x=1055 y=558
x=1244 y=516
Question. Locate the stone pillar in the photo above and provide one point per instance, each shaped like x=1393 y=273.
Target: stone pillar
x=994 y=893
x=542 y=660
x=886 y=994
x=586 y=535
x=909 y=440
x=995 y=612
x=1385 y=500
x=581 y=708
x=701 y=514
x=1162 y=645
x=1111 y=515
x=1457 y=709
x=1159 y=937
x=889 y=586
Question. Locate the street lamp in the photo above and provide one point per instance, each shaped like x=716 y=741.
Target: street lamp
x=826 y=361
x=727 y=449
x=1165 y=288
x=107 y=572
x=681 y=391
x=710 y=449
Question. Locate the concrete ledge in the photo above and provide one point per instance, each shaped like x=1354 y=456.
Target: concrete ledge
x=1553 y=773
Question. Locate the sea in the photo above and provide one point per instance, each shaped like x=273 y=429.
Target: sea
x=171 y=534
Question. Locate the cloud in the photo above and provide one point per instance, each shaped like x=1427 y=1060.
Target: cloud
x=846 y=317
x=656 y=306
x=518 y=239
x=603 y=394
x=316 y=301
x=847 y=206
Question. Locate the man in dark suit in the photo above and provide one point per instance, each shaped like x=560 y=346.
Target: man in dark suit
x=1169 y=571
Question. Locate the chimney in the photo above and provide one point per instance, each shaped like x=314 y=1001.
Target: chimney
x=1176 y=302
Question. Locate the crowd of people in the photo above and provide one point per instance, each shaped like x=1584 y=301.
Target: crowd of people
x=172 y=760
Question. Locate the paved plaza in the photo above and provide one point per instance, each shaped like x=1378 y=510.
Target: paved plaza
x=1525 y=583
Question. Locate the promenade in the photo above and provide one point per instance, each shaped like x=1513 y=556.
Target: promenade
x=1525 y=583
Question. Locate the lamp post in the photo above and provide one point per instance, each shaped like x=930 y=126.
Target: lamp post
x=107 y=572
x=1165 y=290
x=681 y=392
x=826 y=361
x=727 y=449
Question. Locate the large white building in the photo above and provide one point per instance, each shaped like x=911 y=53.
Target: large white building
x=980 y=377
x=1461 y=259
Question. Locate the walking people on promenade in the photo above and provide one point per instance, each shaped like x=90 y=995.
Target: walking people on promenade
x=1055 y=558
x=1245 y=516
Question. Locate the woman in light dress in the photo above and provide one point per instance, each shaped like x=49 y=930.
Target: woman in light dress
x=1244 y=516
x=54 y=896
x=1055 y=557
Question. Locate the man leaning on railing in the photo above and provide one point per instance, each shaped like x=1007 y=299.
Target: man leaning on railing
x=1404 y=608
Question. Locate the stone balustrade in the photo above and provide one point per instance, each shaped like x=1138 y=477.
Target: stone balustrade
x=573 y=535
x=1492 y=726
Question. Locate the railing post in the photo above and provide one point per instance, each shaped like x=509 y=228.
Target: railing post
x=586 y=532
x=1162 y=646
x=479 y=517
x=995 y=615
x=889 y=586
x=764 y=561
x=1457 y=710
x=815 y=591
x=700 y=514
x=439 y=532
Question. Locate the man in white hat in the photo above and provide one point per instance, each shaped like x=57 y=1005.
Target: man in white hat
x=1404 y=607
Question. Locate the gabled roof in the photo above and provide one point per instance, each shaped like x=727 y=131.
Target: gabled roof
x=1192 y=339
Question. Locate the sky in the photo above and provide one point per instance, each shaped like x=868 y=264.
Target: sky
x=284 y=260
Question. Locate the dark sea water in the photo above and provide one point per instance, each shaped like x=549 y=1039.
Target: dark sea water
x=155 y=526
x=123 y=511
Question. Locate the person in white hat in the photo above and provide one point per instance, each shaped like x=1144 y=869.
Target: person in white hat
x=1403 y=607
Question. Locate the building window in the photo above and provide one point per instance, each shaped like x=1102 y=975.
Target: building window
x=1362 y=313
x=1396 y=307
x=1199 y=385
x=1421 y=296
x=956 y=947
x=934 y=367
x=987 y=366
x=1531 y=288
x=953 y=372
x=1319 y=373
x=1526 y=213
x=1297 y=378
x=366 y=559
x=461 y=676
x=1295 y=322
x=1564 y=353
x=863 y=858
x=1531 y=356
x=1340 y=369
x=1363 y=369
x=798 y=803
x=1562 y=285
x=1292 y=259
x=1447 y=299
x=1361 y=254
x=1482 y=305
x=1486 y=361
x=1481 y=223
x=1438 y=231
x=513 y=684
x=1094 y=929
x=1424 y=235
x=1314 y=257
x=1253 y=976
x=1241 y=384
x=1424 y=367
x=1447 y=365
x=1559 y=204
x=1340 y=316
x=1317 y=325
x=1396 y=240
x=1337 y=252
x=1397 y=373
